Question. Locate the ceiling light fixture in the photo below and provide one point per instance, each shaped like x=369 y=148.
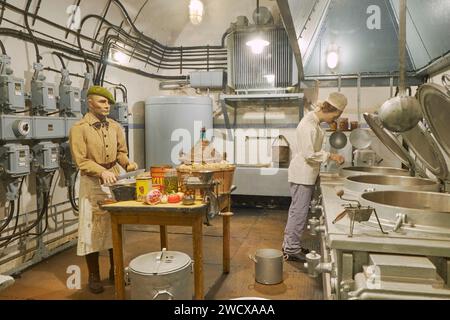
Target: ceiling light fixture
x=118 y=56
x=257 y=45
x=332 y=57
x=196 y=12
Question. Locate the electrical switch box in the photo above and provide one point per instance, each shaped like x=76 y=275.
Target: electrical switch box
x=119 y=112
x=14 y=160
x=11 y=94
x=46 y=156
x=207 y=79
x=69 y=99
x=12 y=97
x=43 y=96
x=49 y=127
x=13 y=127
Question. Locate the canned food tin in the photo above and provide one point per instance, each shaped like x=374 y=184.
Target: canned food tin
x=157 y=173
x=143 y=186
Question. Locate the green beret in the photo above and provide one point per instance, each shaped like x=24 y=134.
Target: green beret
x=100 y=91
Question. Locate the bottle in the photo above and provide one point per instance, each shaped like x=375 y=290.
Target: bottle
x=170 y=181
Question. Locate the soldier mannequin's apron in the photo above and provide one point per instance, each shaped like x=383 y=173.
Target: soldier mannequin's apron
x=94 y=226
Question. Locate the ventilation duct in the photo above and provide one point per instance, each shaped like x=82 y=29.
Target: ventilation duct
x=272 y=69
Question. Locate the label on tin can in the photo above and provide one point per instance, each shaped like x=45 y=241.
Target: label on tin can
x=143 y=186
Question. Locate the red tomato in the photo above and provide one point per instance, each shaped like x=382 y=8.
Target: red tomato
x=173 y=198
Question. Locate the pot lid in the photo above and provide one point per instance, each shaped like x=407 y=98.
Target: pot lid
x=360 y=138
x=160 y=262
x=389 y=140
x=422 y=143
x=435 y=102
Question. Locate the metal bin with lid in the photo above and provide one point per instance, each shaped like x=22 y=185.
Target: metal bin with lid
x=161 y=275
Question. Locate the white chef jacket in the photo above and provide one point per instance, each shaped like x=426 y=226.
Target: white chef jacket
x=305 y=165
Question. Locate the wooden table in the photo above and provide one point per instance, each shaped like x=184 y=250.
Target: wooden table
x=133 y=212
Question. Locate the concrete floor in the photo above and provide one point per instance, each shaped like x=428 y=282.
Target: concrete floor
x=250 y=230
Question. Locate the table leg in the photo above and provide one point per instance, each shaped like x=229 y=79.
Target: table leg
x=197 y=236
x=163 y=236
x=226 y=243
x=118 y=258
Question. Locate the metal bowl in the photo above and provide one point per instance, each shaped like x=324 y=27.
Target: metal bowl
x=124 y=192
x=364 y=183
x=356 y=171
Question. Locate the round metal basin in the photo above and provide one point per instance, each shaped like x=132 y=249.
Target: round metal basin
x=388 y=171
x=423 y=211
x=366 y=183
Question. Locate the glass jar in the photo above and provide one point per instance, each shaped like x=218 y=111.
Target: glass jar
x=170 y=181
x=343 y=124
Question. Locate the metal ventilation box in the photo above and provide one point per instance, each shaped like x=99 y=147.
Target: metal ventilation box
x=273 y=68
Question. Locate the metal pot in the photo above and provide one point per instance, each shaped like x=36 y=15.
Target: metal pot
x=268 y=266
x=124 y=192
x=161 y=275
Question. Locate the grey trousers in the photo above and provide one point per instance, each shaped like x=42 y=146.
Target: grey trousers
x=298 y=211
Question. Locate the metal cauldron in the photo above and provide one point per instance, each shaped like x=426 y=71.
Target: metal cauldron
x=354 y=171
x=412 y=210
x=364 y=183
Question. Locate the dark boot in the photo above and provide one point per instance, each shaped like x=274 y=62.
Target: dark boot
x=94 y=283
x=111 y=262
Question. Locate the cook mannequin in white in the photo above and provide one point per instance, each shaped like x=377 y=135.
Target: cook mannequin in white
x=304 y=170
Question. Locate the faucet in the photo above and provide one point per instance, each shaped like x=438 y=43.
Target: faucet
x=315 y=227
x=315 y=267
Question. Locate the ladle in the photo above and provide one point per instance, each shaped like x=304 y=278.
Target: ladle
x=403 y=112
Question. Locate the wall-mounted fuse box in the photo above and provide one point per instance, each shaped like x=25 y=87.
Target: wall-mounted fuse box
x=46 y=156
x=12 y=96
x=43 y=96
x=14 y=160
x=13 y=127
x=119 y=112
x=69 y=97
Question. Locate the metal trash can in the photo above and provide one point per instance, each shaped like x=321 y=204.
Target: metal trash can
x=162 y=275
